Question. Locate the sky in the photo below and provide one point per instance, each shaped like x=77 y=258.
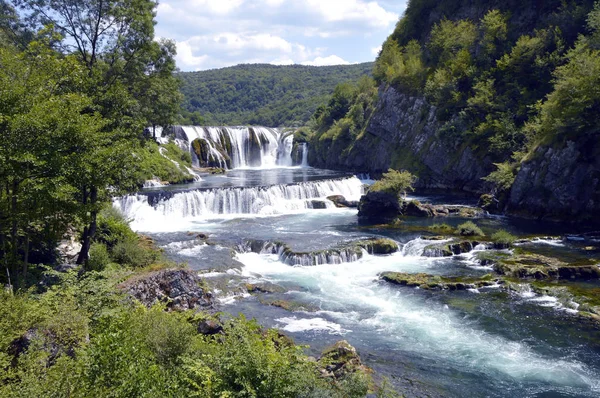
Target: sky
x=218 y=33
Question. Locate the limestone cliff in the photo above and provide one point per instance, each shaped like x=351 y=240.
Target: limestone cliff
x=403 y=133
x=559 y=183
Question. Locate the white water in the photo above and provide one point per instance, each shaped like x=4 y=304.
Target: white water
x=171 y=214
x=236 y=143
x=304 y=154
x=351 y=297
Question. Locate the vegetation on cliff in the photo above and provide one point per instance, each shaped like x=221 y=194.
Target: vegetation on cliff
x=503 y=78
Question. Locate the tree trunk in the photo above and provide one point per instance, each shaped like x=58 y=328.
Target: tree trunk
x=90 y=230
x=14 y=228
x=26 y=258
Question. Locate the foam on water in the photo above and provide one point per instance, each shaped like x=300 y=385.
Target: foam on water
x=415 y=326
x=176 y=212
x=294 y=324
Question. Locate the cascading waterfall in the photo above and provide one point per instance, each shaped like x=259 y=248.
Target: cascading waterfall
x=149 y=212
x=304 y=154
x=236 y=147
x=305 y=259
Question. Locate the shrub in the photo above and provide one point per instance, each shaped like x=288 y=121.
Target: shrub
x=396 y=182
x=469 y=228
x=99 y=257
x=133 y=254
x=113 y=228
x=503 y=237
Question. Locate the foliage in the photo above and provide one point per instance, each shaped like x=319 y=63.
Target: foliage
x=265 y=95
x=503 y=177
x=99 y=257
x=75 y=94
x=167 y=163
x=394 y=181
x=503 y=237
x=469 y=228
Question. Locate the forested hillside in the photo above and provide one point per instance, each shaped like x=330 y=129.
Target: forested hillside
x=470 y=94
x=265 y=95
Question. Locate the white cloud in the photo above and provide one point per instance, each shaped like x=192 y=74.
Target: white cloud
x=376 y=50
x=371 y=13
x=330 y=60
x=217 y=33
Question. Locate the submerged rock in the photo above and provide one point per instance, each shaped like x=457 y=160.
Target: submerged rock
x=379 y=246
x=179 y=289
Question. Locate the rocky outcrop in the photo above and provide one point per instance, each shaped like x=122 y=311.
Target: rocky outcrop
x=559 y=183
x=179 y=289
x=535 y=266
x=385 y=207
x=403 y=133
x=340 y=360
x=342 y=202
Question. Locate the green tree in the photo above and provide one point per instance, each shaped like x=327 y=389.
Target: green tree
x=113 y=40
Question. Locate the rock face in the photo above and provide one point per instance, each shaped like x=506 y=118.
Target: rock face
x=403 y=133
x=180 y=289
x=559 y=183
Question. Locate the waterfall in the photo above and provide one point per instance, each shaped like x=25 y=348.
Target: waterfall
x=287 y=256
x=304 y=154
x=236 y=147
x=149 y=210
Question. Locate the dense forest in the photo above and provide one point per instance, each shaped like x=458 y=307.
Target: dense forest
x=265 y=95
x=502 y=78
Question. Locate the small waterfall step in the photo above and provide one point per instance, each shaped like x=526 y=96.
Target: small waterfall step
x=275 y=199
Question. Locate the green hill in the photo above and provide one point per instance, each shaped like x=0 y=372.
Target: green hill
x=261 y=94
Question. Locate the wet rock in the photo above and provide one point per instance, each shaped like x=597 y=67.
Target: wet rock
x=436 y=282
x=379 y=246
x=179 y=289
x=379 y=206
x=264 y=287
x=416 y=209
x=535 y=266
x=340 y=201
x=340 y=360
x=318 y=204
x=449 y=249
x=198 y=235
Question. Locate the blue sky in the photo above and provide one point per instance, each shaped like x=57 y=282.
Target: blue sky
x=217 y=33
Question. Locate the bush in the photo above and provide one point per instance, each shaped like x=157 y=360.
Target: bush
x=99 y=257
x=113 y=228
x=503 y=237
x=133 y=254
x=469 y=228
x=396 y=182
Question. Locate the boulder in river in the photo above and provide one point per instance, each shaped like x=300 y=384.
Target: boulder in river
x=340 y=201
